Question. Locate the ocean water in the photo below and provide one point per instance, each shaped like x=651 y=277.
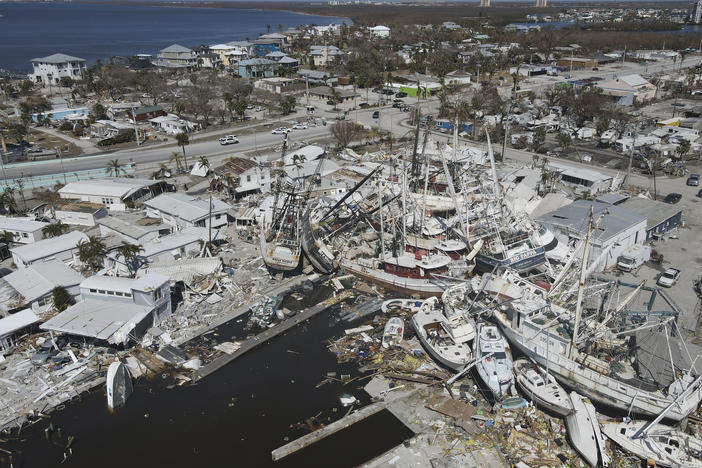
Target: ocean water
x=100 y=31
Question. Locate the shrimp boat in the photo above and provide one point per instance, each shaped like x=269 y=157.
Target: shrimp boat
x=584 y=432
x=664 y=445
x=433 y=331
x=393 y=332
x=494 y=360
x=542 y=388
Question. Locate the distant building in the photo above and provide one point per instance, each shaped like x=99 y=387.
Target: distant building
x=176 y=56
x=115 y=193
x=49 y=70
x=324 y=55
x=182 y=211
x=484 y=3
x=541 y=3
x=634 y=87
x=61 y=247
x=23 y=230
x=246 y=175
x=171 y=124
x=80 y=213
x=13 y=325
x=379 y=31
x=696 y=16
x=256 y=68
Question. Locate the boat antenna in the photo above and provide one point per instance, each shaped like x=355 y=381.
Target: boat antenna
x=581 y=286
x=415 y=161
x=382 y=225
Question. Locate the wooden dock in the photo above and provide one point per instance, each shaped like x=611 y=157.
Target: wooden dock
x=326 y=431
x=266 y=335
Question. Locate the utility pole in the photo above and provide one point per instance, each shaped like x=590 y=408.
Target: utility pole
x=210 y=224
x=136 y=129
x=63 y=170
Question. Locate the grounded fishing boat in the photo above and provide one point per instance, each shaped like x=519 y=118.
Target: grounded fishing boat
x=280 y=241
x=494 y=360
x=393 y=332
x=542 y=388
x=432 y=329
x=119 y=385
x=263 y=313
x=584 y=431
x=664 y=445
x=457 y=303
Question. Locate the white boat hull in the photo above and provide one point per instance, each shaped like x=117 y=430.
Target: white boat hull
x=422 y=287
x=119 y=385
x=583 y=431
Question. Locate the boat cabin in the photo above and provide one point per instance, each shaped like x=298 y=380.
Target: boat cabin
x=416 y=266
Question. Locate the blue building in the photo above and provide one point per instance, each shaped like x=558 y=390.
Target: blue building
x=256 y=68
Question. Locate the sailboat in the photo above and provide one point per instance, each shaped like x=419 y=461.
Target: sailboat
x=542 y=388
x=584 y=432
x=664 y=445
x=494 y=360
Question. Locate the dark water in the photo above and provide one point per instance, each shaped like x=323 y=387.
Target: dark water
x=234 y=417
x=99 y=31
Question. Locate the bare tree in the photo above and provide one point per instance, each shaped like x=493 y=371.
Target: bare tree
x=345 y=132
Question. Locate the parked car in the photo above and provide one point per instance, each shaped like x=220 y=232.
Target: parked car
x=363 y=105
x=668 y=277
x=376 y=114
x=388 y=92
x=397 y=105
x=405 y=108
x=672 y=198
x=46 y=351
x=398 y=101
x=258 y=109
x=699 y=194
x=331 y=102
x=250 y=106
x=281 y=131
x=401 y=94
x=693 y=180
x=228 y=140
x=299 y=126
x=376 y=90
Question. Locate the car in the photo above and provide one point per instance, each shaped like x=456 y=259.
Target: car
x=299 y=126
x=376 y=90
x=331 y=102
x=595 y=69
x=699 y=194
x=672 y=198
x=258 y=109
x=363 y=105
x=397 y=105
x=228 y=140
x=401 y=94
x=388 y=92
x=46 y=351
x=398 y=101
x=693 y=180
x=678 y=104
x=281 y=131
x=376 y=114
x=405 y=108
x=250 y=106
x=668 y=277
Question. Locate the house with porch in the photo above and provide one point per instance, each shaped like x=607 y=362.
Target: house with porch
x=176 y=56
x=49 y=70
x=256 y=68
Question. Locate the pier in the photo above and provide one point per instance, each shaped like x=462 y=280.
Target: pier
x=266 y=335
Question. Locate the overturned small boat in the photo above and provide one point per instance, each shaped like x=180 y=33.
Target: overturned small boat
x=584 y=431
x=542 y=388
x=119 y=385
x=663 y=444
x=401 y=305
x=494 y=360
x=393 y=333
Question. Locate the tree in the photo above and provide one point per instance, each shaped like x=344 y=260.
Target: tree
x=61 y=298
x=345 y=132
x=564 y=140
x=98 y=112
x=602 y=125
x=50 y=197
x=287 y=104
x=539 y=138
x=7 y=237
x=175 y=156
x=239 y=106
x=183 y=139
x=130 y=254
x=54 y=229
x=683 y=148
x=91 y=252
x=114 y=168
x=204 y=162
x=7 y=199
x=298 y=159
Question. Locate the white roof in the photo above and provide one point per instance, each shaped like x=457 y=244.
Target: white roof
x=38 y=279
x=58 y=58
x=47 y=247
x=177 y=240
x=149 y=282
x=108 y=187
x=380 y=28
x=20 y=224
x=634 y=80
x=310 y=152
x=187 y=207
x=17 y=321
x=108 y=283
x=105 y=320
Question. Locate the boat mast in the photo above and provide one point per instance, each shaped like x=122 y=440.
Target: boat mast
x=424 y=198
x=496 y=184
x=581 y=287
x=382 y=225
x=404 y=207
x=449 y=181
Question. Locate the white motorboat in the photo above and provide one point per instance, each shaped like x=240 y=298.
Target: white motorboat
x=393 y=333
x=119 y=385
x=584 y=431
x=542 y=388
x=456 y=309
x=494 y=360
x=662 y=444
x=432 y=328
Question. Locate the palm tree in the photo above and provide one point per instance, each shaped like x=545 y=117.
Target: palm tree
x=130 y=254
x=91 y=252
x=204 y=162
x=54 y=230
x=183 y=139
x=51 y=198
x=298 y=159
x=175 y=156
x=7 y=199
x=114 y=167
x=7 y=237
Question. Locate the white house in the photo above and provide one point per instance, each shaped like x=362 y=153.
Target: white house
x=23 y=230
x=61 y=247
x=12 y=325
x=116 y=310
x=323 y=55
x=172 y=124
x=379 y=31
x=115 y=193
x=181 y=210
x=80 y=213
x=33 y=286
x=50 y=70
x=247 y=175
x=133 y=229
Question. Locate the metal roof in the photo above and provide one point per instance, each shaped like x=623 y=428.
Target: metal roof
x=17 y=321
x=656 y=212
x=128 y=229
x=574 y=219
x=108 y=283
x=187 y=207
x=105 y=320
x=20 y=224
x=58 y=58
x=149 y=282
x=109 y=187
x=177 y=48
x=40 y=278
x=48 y=247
